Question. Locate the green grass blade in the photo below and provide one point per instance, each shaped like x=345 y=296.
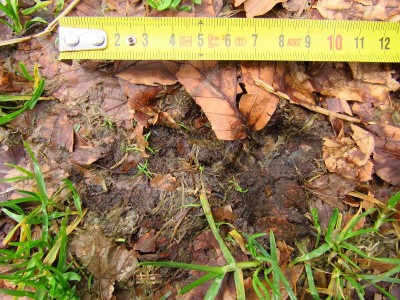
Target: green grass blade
x=276 y=271
x=75 y=195
x=313 y=254
x=180 y=265
x=36 y=95
x=16 y=293
x=30 y=104
x=62 y=255
x=392 y=202
x=36 y=7
x=16 y=217
x=24 y=72
x=358 y=233
x=257 y=285
x=274 y=256
x=214 y=288
x=207 y=212
x=42 y=192
x=331 y=225
x=22 y=170
x=358 y=287
x=239 y=284
x=198 y=282
x=386 y=293
x=317 y=226
x=11 y=116
x=311 y=284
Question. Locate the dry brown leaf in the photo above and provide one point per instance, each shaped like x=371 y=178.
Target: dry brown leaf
x=106 y=261
x=239 y=240
x=88 y=155
x=339 y=105
x=164 y=182
x=387 y=152
x=382 y=10
x=148 y=73
x=146 y=243
x=296 y=6
x=257 y=7
x=62 y=133
x=366 y=145
x=141 y=123
x=371 y=83
x=223 y=214
x=335 y=161
x=10 y=82
x=387 y=166
x=214 y=88
x=330 y=188
x=55 y=129
x=257 y=105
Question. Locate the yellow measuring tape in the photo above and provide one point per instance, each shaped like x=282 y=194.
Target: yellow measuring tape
x=141 y=38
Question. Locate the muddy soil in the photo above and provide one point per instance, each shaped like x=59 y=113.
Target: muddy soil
x=272 y=166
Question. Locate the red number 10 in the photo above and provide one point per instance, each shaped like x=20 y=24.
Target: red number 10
x=335 y=42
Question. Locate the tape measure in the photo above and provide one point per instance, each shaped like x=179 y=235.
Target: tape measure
x=141 y=38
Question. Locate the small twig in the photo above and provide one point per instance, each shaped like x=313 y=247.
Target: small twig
x=48 y=29
x=265 y=86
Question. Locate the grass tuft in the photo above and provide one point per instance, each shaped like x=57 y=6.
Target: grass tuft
x=34 y=261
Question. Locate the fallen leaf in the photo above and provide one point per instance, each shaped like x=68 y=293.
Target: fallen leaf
x=257 y=105
x=382 y=10
x=106 y=261
x=366 y=145
x=387 y=166
x=164 y=182
x=223 y=214
x=148 y=73
x=387 y=152
x=338 y=105
x=330 y=188
x=350 y=157
x=62 y=133
x=257 y=7
x=10 y=82
x=142 y=122
x=146 y=243
x=296 y=6
x=214 y=87
x=14 y=154
x=239 y=240
x=88 y=155
x=338 y=80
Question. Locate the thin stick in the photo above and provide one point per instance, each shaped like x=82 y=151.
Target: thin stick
x=48 y=29
x=265 y=86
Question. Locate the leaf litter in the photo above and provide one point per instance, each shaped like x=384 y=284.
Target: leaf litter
x=275 y=149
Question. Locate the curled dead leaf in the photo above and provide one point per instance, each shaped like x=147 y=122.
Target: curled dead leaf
x=164 y=182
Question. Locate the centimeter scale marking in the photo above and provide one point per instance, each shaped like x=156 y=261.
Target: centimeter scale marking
x=141 y=38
